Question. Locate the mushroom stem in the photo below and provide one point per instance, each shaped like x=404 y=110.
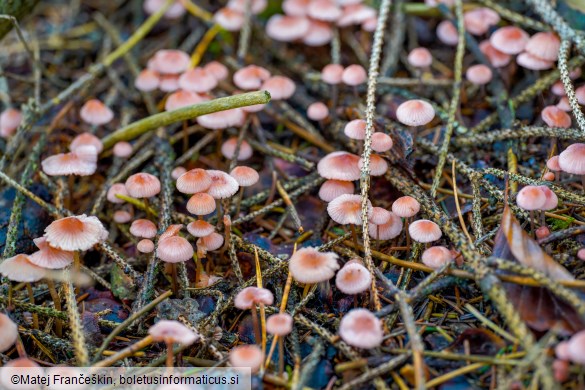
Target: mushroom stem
x=256 y=325
x=149 y=215
x=280 y=356
x=334 y=97
x=238 y=203
x=185 y=137
x=532 y=222
x=31 y=298
x=174 y=278
x=583 y=183
x=57 y=302
x=406 y=223
x=169 y=361
x=354 y=236
x=271 y=351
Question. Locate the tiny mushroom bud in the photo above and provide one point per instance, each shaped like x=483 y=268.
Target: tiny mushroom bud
x=420 y=57
x=332 y=74
x=479 y=74
x=122 y=216
x=355 y=129
x=9 y=121
x=145 y=246
x=228 y=149
x=96 y=113
x=116 y=188
x=177 y=172
x=354 y=75
x=122 y=149
x=381 y=142
x=317 y=111
x=361 y=329
x=436 y=256
x=447 y=33
x=279 y=324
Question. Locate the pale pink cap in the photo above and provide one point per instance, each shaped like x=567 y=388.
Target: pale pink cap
x=496 y=57
x=217 y=69
x=177 y=172
x=378 y=166
x=339 y=166
x=325 y=10
x=424 y=231
x=553 y=164
x=331 y=189
x=295 y=7
x=251 y=296
x=406 y=207
x=234 y=117
x=211 y=242
x=354 y=75
x=229 y=19
x=558 y=89
x=478 y=20
x=194 y=181
x=222 y=185
x=256 y=6
x=147 y=80
x=86 y=139
x=580 y=94
x=49 y=257
x=9 y=121
x=355 y=129
x=169 y=83
x=200 y=228
x=145 y=246
x=171 y=331
x=280 y=87
x=174 y=249
x=77 y=233
x=576 y=348
x=479 y=74
x=247 y=356
x=175 y=11
x=353 y=278
x=122 y=216
x=509 y=39
x=251 y=77
x=96 y=113
x=201 y=204
x=436 y=256
x=572 y=159
x=581 y=254
x=564 y=104
x=420 y=57
x=347 y=209
x=381 y=142
x=447 y=33
x=20 y=269
x=542 y=232
x=82 y=162
x=317 y=111
x=415 y=112
x=245 y=176
x=228 y=149
x=142 y=185
x=122 y=149
x=528 y=61
x=308 y=265
x=530 y=198
x=544 y=45
x=370 y=24
x=170 y=61
x=361 y=329
x=143 y=228
x=9 y=332
x=286 y=28
x=380 y=216
x=197 y=80
x=332 y=73
x=355 y=14
x=388 y=230
x=552 y=201
x=182 y=98
x=548 y=176
x=555 y=117
x=279 y=324
x=116 y=188
x=319 y=34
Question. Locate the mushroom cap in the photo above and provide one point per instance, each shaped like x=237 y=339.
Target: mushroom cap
x=251 y=296
x=197 y=80
x=564 y=104
x=415 y=112
x=420 y=57
x=548 y=176
x=96 y=113
x=542 y=232
x=234 y=117
x=339 y=166
x=116 y=188
x=171 y=331
x=319 y=34
x=361 y=329
x=496 y=57
x=256 y=6
x=380 y=216
x=247 y=356
x=86 y=139
x=424 y=231
x=287 y=28
x=332 y=73
x=355 y=14
x=171 y=231
x=81 y=162
x=182 y=98
x=222 y=185
x=228 y=149
x=295 y=7
x=245 y=176
x=317 y=111
x=9 y=121
x=576 y=348
x=229 y=19
x=381 y=142
x=479 y=74
x=211 y=242
x=193 y=181
x=552 y=201
x=354 y=75
x=175 y=11
x=19 y=268
x=147 y=80
x=217 y=69
x=388 y=230
x=553 y=164
x=331 y=189
x=174 y=249
x=355 y=129
x=370 y=24
x=200 y=228
x=122 y=216
x=49 y=257
x=168 y=82
x=531 y=198
x=555 y=117
x=145 y=246
x=353 y=278
x=478 y=20
x=9 y=331
x=447 y=33
x=580 y=94
x=201 y=204
x=279 y=324
x=251 y=77
x=558 y=89
x=544 y=45
x=436 y=256
x=177 y=172
x=581 y=254
x=346 y=209
x=509 y=39
x=325 y=10
x=76 y=233
x=280 y=87
x=308 y=265
x=170 y=61
x=378 y=166
x=406 y=207
x=528 y=61
x=122 y=149
x=143 y=228
x=142 y=185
